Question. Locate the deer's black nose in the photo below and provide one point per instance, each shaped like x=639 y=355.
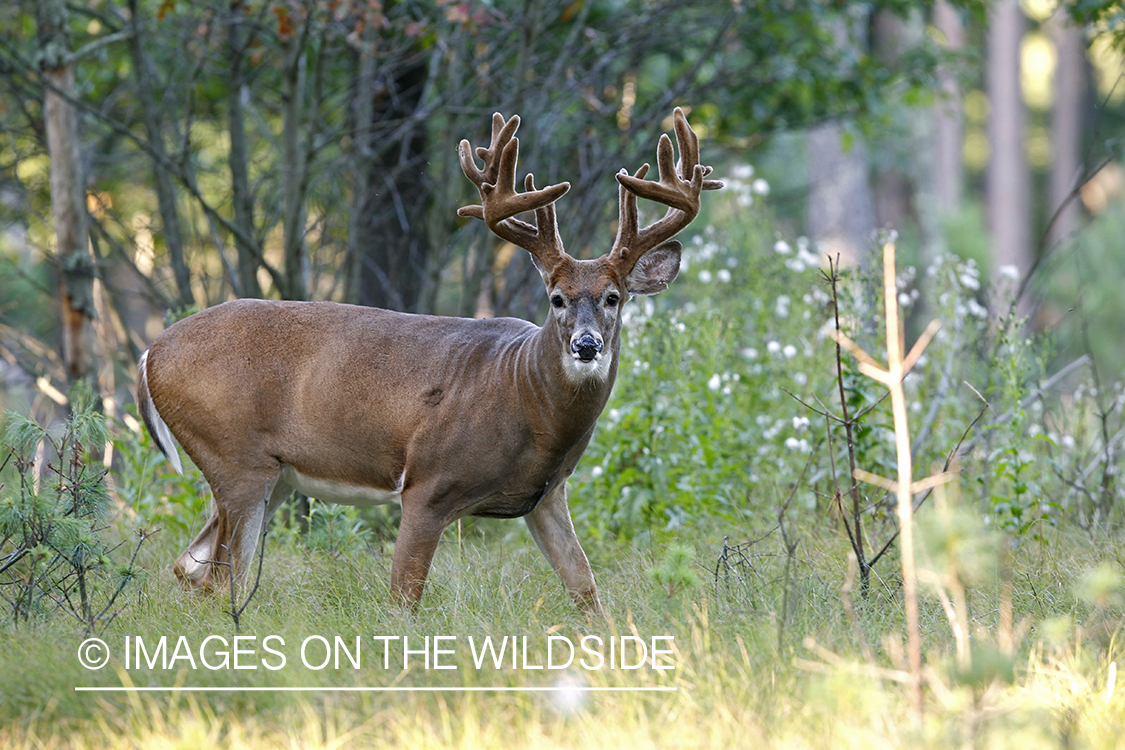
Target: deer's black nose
x=587 y=346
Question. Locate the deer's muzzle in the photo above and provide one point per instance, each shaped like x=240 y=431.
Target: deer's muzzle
x=587 y=346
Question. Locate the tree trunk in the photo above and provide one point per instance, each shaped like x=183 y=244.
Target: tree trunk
x=1008 y=179
x=1066 y=124
x=893 y=187
x=151 y=114
x=391 y=242
x=841 y=214
x=294 y=171
x=243 y=199
x=68 y=194
x=949 y=128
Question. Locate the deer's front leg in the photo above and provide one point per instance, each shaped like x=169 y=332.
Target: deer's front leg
x=418 y=535
x=553 y=531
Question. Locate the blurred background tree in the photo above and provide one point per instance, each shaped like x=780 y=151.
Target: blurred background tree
x=305 y=149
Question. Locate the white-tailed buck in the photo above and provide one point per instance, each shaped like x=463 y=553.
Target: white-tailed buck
x=449 y=417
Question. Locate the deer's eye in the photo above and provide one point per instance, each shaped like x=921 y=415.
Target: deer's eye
x=612 y=300
x=558 y=301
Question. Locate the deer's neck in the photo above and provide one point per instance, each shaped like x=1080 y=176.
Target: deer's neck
x=562 y=404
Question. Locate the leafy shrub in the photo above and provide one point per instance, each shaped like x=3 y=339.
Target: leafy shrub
x=725 y=381
x=151 y=489
x=52 y=549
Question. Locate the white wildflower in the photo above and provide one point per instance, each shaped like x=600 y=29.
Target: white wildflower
x=800 y=423
x=809 y=259
x=596 y=472
x=715 y=383
x=705 y=276
x=773 y=347
x=789 y=351
x=1008 y=272
x=742 y=171
x=724 y=275
x=800 y=378
x=781 y=247
x=760 y=187
x=781 y=306
x=750 y=353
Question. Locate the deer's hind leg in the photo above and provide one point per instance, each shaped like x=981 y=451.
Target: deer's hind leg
x=229 y=539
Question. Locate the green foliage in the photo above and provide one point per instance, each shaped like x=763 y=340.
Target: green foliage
x=1016 y=495
x=52 y=549
x=177 y=314
x=336 y=529
x=151 y=489
x=675 y=575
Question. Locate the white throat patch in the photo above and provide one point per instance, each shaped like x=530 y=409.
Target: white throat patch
x=582 y=372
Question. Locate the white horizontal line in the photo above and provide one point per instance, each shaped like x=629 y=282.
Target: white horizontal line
x=236 y=689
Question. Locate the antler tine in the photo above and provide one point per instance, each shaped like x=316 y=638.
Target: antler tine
x=502 y=132
x=678 y=186
x=499 y=200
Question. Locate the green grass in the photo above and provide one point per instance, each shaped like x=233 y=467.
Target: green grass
x=742 y=679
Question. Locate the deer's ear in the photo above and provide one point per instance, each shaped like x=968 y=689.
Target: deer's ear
x=543 y=271
x=655 y=270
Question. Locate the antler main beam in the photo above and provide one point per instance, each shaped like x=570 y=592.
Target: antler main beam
x=500 y=202
x=678 y=186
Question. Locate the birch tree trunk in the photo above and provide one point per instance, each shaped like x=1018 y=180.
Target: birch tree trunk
x=68 y=194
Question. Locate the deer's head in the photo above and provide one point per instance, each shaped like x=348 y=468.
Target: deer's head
x=586 y=296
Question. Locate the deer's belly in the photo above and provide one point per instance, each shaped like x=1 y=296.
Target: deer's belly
x=329 y=491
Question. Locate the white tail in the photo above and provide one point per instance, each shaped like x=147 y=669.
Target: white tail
x=449 y=417
x=156 y=426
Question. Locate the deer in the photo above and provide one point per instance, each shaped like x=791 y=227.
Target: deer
x=447 y=417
